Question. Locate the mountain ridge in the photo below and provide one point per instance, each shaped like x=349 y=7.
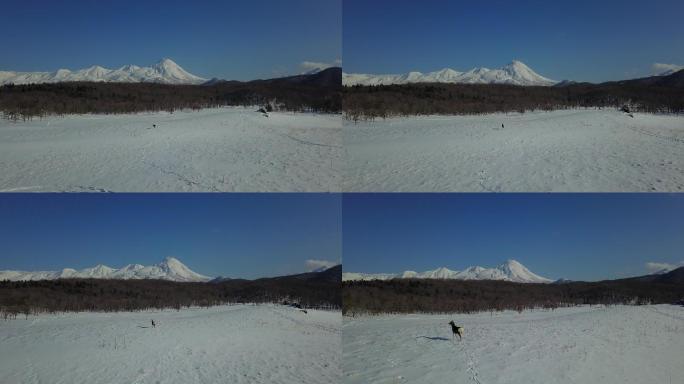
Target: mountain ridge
x=670 y=276
x=516 y=73
x=165 y=71
x=169 y=269
x=511 y=270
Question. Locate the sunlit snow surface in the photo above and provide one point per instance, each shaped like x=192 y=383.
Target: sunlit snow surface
x=622 y=344
x=564 y=151
x=213 y=150
x=227 y=344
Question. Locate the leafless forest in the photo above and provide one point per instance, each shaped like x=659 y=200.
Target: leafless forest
x=310 y=290
x=442 y=296
x=319 y=92
x=653 y=94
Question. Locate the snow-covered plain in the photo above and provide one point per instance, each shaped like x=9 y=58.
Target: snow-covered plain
x=622 y=344
x=562 y=151
x=226 y=344
x=214 y=150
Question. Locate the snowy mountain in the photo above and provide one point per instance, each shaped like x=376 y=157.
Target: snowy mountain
x=666 y=69
x=165 y=71
x=354 y=276
x=669 y=72
x=314 y=71
x=562 y=281
x=516 y=73
x=220 y=279
x=169 y=269
x=511 y=270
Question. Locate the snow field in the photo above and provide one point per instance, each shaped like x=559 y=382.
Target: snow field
x=226 y=344
x=619 y=344
x=213 y=150
x=561 y=151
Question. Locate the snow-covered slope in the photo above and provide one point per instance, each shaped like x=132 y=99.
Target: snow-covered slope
x=165 y=71
x=169 y=269
x=511 y=270
x=667 y=69
x=516 y=73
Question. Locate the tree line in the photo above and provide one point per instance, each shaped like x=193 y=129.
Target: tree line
x=75 y=295
x=311 y=93
x=371 y=102
x=457 y=296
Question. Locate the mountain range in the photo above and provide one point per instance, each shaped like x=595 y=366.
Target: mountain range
x=329 y=77
x=511 y=270
x=516 y=73
x=169 y=269
x=166 y=71
x=668 y=276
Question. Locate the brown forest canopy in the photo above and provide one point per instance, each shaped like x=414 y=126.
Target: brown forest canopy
x=441 y=296
x=655 y=94
x=320 y=92
x=319 y=290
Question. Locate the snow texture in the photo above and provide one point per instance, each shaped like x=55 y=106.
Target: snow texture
x=226 y=344
x=561 y=151
x=165 y=71
x=213 y=150
x=621 y=344
x=511 y=270
x=169 y=269
x=515 y=73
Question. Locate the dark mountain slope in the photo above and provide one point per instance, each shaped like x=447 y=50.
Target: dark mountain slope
x=676 y=276
x=674 y=80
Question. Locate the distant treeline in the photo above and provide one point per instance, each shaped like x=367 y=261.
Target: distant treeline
x=310 y=93
x=371 y=102
x=67 y=295
x=448 y=296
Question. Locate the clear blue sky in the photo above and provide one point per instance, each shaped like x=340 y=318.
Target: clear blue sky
x=572 y=236
x=236 y=39
x=235 y=235
x=583 y=40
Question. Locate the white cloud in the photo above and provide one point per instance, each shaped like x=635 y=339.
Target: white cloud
x=307 y=66
x=312 y=264
x=660 y=68
x=657 y=267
